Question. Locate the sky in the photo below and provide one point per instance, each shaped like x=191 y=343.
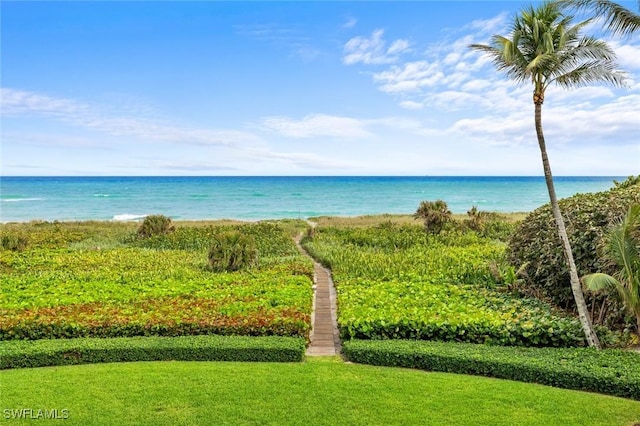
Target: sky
x=292 y=88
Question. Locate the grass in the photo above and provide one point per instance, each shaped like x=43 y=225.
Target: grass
x=399 y=219
x=362 y=221
x=318 y=391
x=607 y=371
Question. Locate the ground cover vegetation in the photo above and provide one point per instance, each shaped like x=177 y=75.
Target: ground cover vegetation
x=319 y=391
x=106 y=280
x=397 y=281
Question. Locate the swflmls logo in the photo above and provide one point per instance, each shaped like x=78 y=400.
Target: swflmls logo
x=35 y=414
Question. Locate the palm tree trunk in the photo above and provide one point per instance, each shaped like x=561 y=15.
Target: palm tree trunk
x=576 y=288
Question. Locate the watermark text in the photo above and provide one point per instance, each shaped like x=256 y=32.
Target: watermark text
x=35 y=413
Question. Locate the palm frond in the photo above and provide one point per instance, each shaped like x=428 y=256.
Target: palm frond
x=541 y=62
x=617 y=18
x=546 y=47
x=600 y=281
x=590 y=72
x=505 y=56
x=592 y=48
x=621 y=249
x=627 y=245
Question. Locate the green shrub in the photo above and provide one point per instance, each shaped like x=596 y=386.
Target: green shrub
x=609 y=371
x=435 y=215
x=488 y=224
x=42 y=353
x=477 y=218
x=13 y=242
x=155 y=225
x=271 y=239
x=629 y=182
x=232 y=251
x=587 y=217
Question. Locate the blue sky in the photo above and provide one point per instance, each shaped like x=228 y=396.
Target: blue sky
x=291 y=88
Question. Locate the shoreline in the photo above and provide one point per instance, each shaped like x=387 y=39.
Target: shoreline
x=324 y=219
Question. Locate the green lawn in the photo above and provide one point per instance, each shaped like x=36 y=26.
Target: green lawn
x=318 y=391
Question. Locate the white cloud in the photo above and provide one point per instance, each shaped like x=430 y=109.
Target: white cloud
x=17 y=102
x=496 y=130
x=398 y=46
x=462 y=44
x=579 y=95
x=476 y=85
x=304 y=160
x=315 y=125
x=242 y=149
x=397 y=123
x=350 y=23
x=54 y=140
x=271 y=32
x=293 y=38
x=628 y=55
x=411 y=105
x=182 y=166
x=322 y=125
x=452 y=77
x=373 y=50
x=614 y=123
x=451 y=58
x=306 y=53
x=497 y=24
x=24 y=103
x=452 y=100
x=411 y=77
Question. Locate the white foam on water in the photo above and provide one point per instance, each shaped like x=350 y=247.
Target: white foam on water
x=101 y=195
x=16 y=200
x=125 y=217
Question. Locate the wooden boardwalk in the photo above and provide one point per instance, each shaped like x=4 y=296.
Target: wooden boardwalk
x=325 y=339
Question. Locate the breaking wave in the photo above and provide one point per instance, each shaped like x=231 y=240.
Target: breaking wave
x=16 y=200
x=125 y=217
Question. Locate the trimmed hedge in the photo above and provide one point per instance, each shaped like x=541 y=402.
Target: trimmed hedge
x=611 y=371
x=42 y=353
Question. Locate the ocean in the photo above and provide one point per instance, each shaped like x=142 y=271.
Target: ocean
x=255 y=198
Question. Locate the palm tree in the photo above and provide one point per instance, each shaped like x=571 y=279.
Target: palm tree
x=544 y=48
x=622 y=249
x=617 y=18
x=435 y=215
